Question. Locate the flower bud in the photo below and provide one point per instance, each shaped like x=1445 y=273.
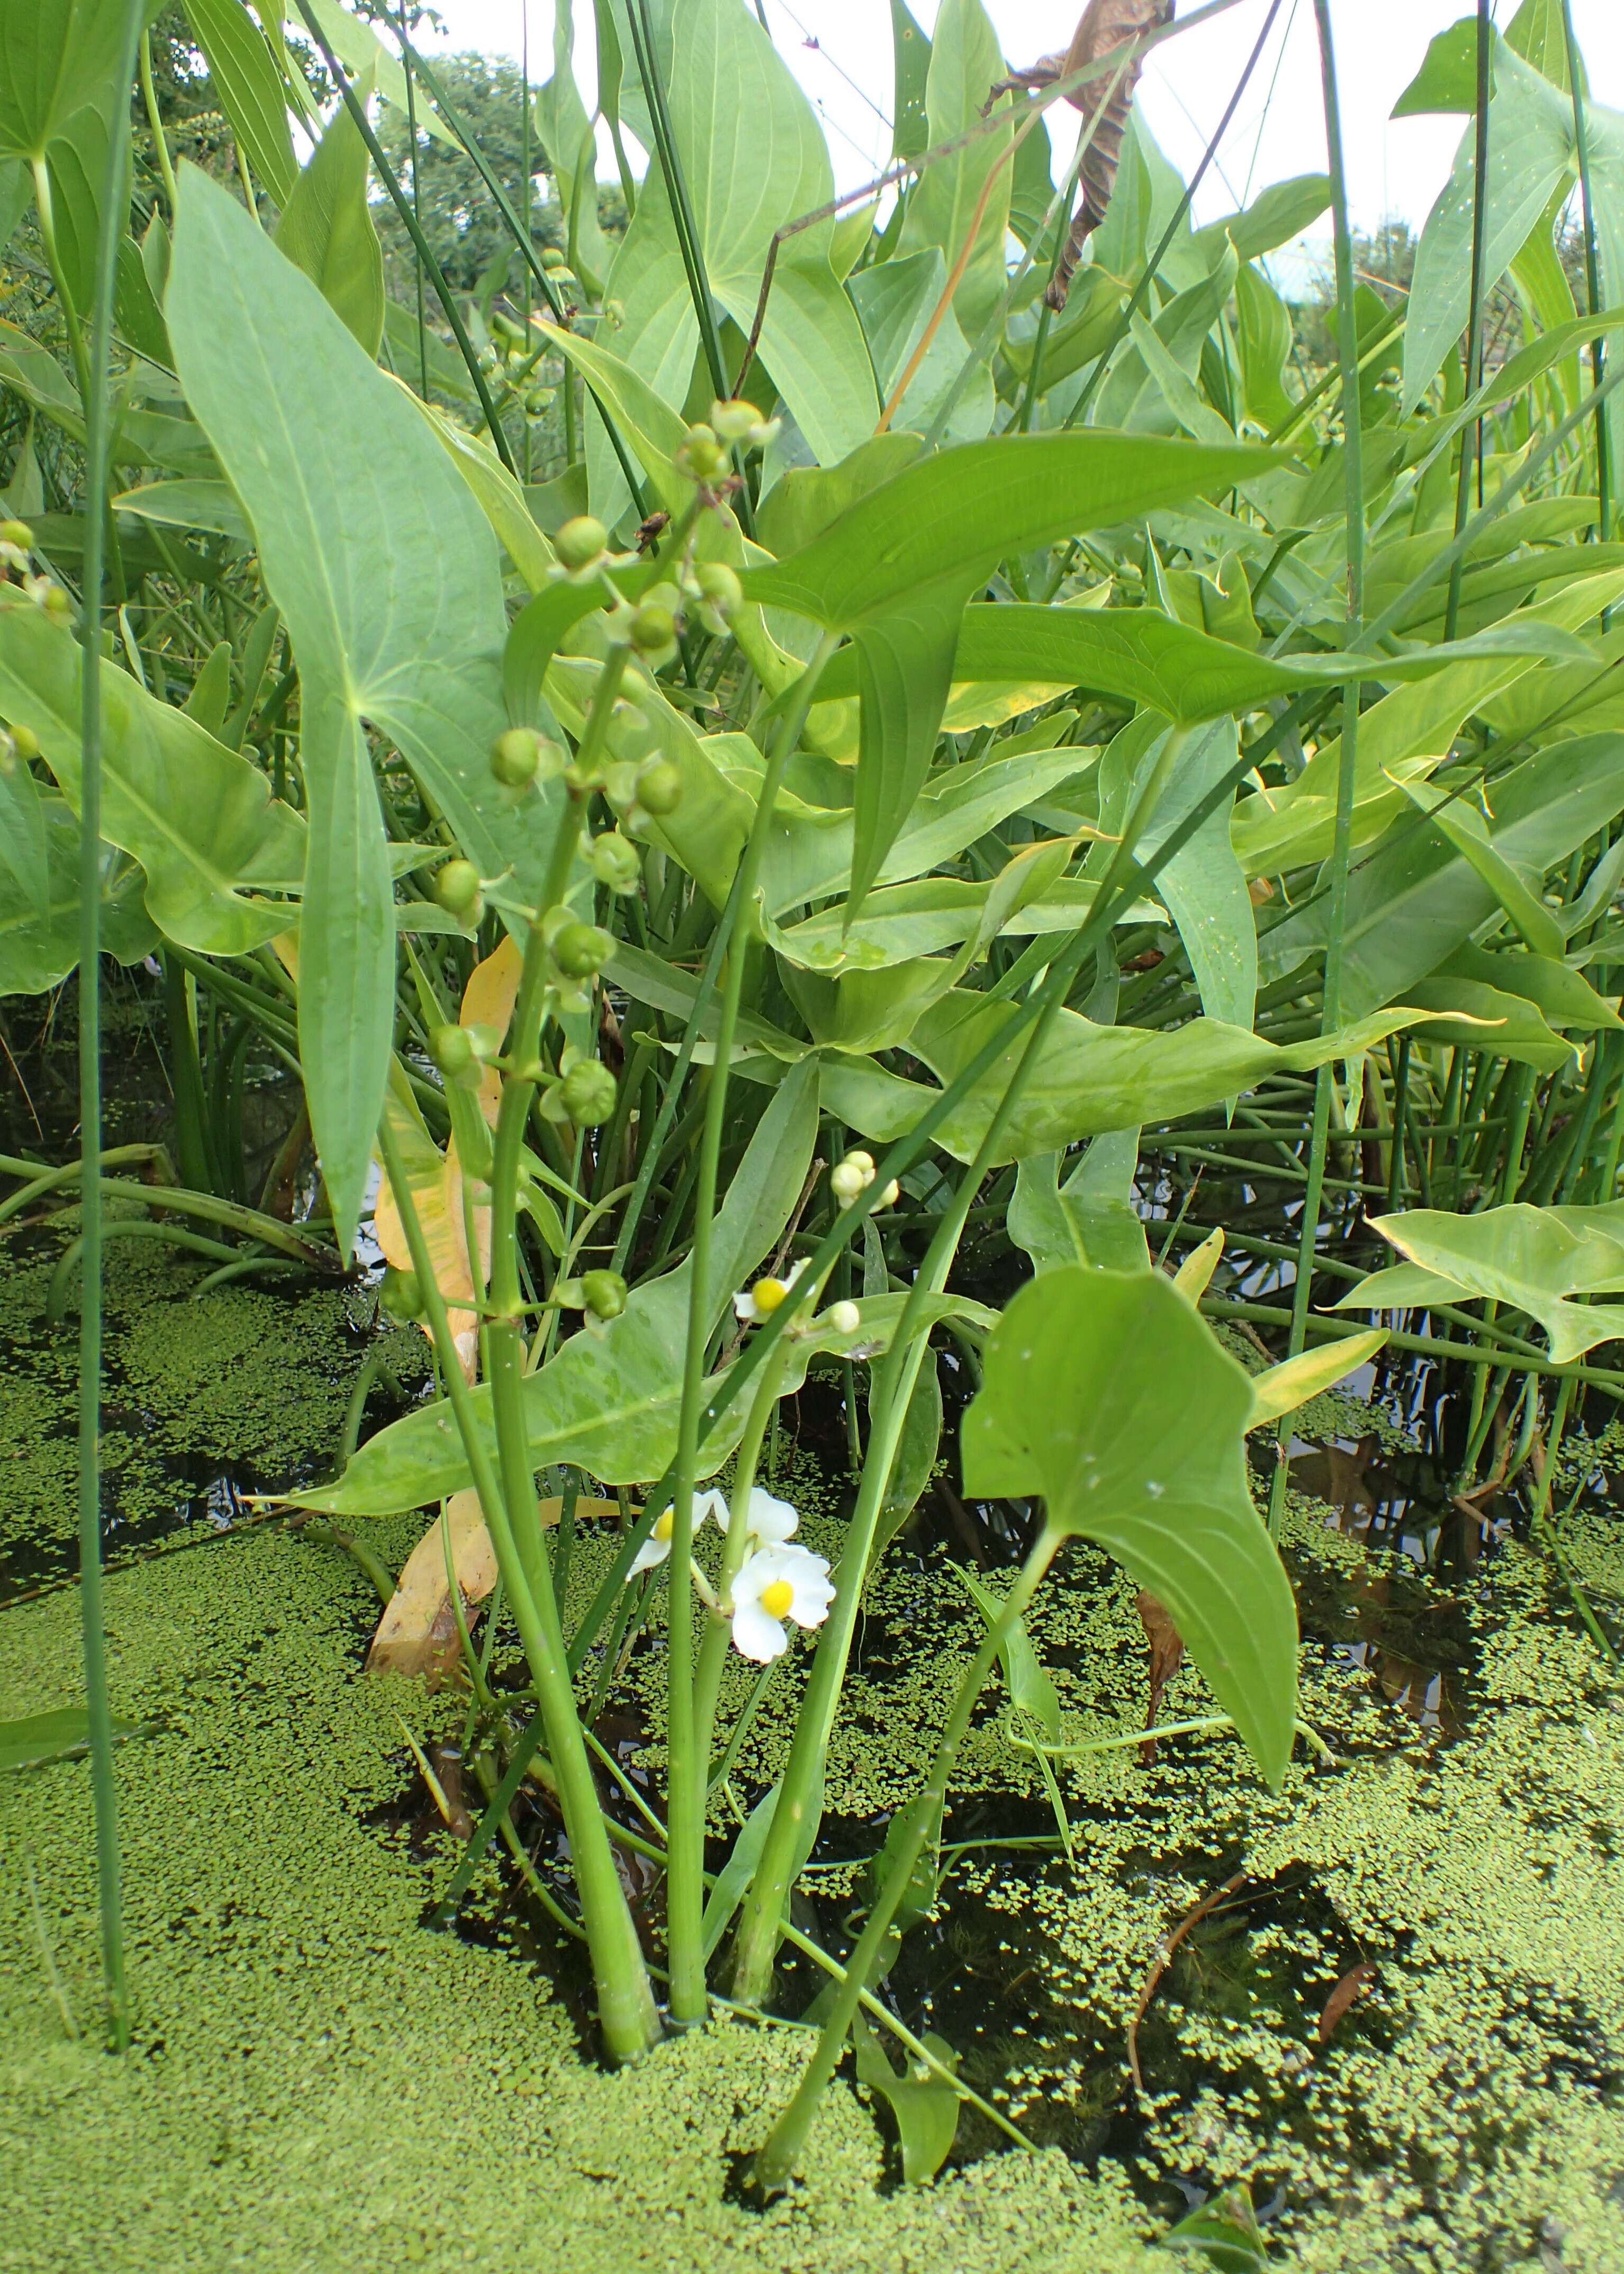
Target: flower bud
x=843 y=1318
x=603 y=1293
x=614 y=861
x=537 y=402
x=846 y=1182
x=863 y=1163
x=659 y=787
x=400 y=1295
x=25 y=742
x=17 y=533
x=581 y=949
x=891 y=1195
x=456 y=888
x=452 y=1050
x=587 y=1093
x=581 y=541
x=55 y=600
x=552 y=256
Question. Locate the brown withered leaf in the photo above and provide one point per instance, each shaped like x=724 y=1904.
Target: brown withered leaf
x=418 y=1633
x=1346 y=1995
x=1102 y=103
x=1167 y=1655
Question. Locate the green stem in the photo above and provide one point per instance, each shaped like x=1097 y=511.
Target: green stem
x=776 y=2163
x=94 y=388
x=1474 y=322
x=1592 y=280
x=45 y=213
x=685 y=1891
x=1348 y=354
x=627 y=2013
x=160 y=148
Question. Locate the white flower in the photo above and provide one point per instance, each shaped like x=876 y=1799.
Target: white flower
x=656 y=1549
x=765 y=1298
x=773 y=1585
x=768 y=1522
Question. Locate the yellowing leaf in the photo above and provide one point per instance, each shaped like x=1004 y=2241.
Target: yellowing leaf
x=436 y=1185
x=1282 y=1388
x=487 y=1001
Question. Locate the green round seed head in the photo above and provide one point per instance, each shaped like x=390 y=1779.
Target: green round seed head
x=452 y=1050
x=581 y=541
x=652 y=630
x=456 y=887
x=515 y=756
x=659 y=788
x=603 y=1293
x=581 y=949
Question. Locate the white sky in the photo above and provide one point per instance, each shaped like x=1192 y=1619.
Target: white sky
x=1394 y=167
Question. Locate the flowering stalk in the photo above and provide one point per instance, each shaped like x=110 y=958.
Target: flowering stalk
x=713 y=1649
x=627 y=2010
x=685 y=1891
x=800 y=1794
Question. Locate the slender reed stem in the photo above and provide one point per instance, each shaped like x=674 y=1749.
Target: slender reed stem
x=114 y=213
x=1348 y=355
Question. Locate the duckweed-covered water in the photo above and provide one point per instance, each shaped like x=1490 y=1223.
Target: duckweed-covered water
x=1403 y=2023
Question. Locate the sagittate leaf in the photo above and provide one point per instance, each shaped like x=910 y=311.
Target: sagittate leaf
x=1417 y=898
x=1281 y=1389
x=327 y=230
x=39 y=947
x=1091 y=1218
x=386 y=576
x=40 y=1737
x=1087 y=1078
x=897 y=566
x=1530 y=152
x=1534 y=1259
x=1224 y=2232
x=199 y=819
x=1105 y=1393
x=243 y=72
x=925 y=2105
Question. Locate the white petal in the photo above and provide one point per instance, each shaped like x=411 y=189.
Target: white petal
x=744 y=1308
x=712 y=1504
x=771 y=1520
x=758 y=1570
x=652 y=1552
x=809 y=1603
x=756 y=1636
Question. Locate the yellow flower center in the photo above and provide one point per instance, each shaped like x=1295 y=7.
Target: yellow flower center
x=663 y=1523
x=776 y=1598
x=767 y=1294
